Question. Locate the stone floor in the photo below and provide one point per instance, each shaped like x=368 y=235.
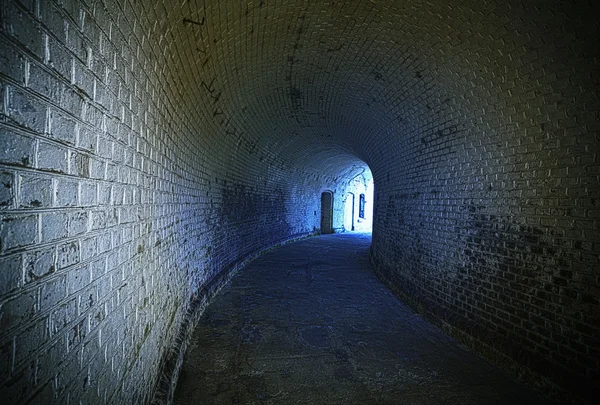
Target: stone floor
x=309 y=323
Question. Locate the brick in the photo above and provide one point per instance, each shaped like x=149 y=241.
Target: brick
x=100 y=92
x=11 y=273
x=20 y=384
x=104 y=287
x=43 y=82
x=78 y=279
x=80 y=165
x=88 y=139
x=59 y=58
x=87 y=300
x=98 y=268
x=52 y=292
x=6 y=353
x=76 y=43
x=26 y=110
x=84 y=80
x=68 y=254
x=30 y=6
x=72 y=102
x=54 y=226
x=62 y=316
x=18 y=231
x=94 y=117
x=62 y=128
x=105 y=148
x=89 y=248
x=104 y=242
x=52 y=158
x=7 y=187
x=52 y=20
x=18 y=310
x=29 y=341
x=104 y=194
x=24 y=29
x=98 y=220
x=88 y=194
x=67 y=193
x=12 y=62
x=35 y=191
x=91 y=347
x=16 y=149
x=38 y=264
x=112 y=172
x=48 y=364
x=65 y=376
x=97 y=169
x=78 y=223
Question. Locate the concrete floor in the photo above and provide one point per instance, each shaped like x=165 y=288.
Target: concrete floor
x=309 y=323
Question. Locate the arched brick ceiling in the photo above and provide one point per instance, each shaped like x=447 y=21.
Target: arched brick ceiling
x=326 y=85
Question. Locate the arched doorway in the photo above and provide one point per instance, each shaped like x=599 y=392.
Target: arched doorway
x=327 y=212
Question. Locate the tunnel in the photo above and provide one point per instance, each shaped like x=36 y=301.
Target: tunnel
x=149 y=150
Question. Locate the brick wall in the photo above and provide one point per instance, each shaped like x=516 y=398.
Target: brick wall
x=487 y=209
x=122 y=201
x=149 y=148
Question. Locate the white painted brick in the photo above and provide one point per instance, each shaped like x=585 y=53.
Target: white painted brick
x=11 y=61
x=26 y=110
x=11 y=276
x=27 y=342
x=104 y=194
x=88 y=139
x=98 y=268
x=89 y=194
x=97 y=169
x=54 y=226
x=63 y=128
x=67 y=193
x=39 y=263
x=68 y=254
x=18 y=231
x=53 y=291
x=52 y=157
x=35 y=191
x=18 y=310
x=78 y=223
x=59 y=57
x=16 y=149
x=7 y=186
x=22 y=27
x=78 y=278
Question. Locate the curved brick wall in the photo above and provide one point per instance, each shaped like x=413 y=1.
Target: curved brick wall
x=149 y=148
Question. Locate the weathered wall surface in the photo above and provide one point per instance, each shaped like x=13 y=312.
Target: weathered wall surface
x=148 y=147
x=120 y=199
x=487 y=211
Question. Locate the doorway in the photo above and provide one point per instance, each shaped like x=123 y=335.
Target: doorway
x=327 y=212
x=349 y=212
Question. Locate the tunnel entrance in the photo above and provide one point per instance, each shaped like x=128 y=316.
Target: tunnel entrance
x=327 y=212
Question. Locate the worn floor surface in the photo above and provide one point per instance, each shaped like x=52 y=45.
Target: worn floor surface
x=309 y=323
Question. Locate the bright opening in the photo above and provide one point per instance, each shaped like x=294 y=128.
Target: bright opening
x=358 y=204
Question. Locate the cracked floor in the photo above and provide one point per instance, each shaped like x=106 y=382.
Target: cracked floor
x=310 y=323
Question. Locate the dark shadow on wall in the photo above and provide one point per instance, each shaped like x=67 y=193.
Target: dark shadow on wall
x=249 y=220
x=502 y=272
